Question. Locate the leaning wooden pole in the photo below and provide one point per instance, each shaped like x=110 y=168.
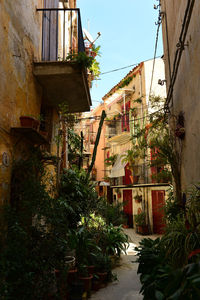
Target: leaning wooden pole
x=103 y=115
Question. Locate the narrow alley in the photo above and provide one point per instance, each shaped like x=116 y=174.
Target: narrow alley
x=99 y=139
x=127 y=285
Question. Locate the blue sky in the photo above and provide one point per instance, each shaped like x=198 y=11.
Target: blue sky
x=128 y=33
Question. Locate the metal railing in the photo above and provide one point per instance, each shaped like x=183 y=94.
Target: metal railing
x=116 y=128
x=61 y=33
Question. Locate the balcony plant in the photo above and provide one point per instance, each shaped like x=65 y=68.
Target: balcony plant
x=110 y=161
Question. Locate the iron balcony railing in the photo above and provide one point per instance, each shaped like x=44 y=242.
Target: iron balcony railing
x=61 y=33
x=116 y=128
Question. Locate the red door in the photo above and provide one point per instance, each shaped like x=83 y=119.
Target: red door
x=128 y=207
x=158 y=202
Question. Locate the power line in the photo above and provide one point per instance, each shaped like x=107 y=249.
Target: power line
x=126 y=67
x=96 y=118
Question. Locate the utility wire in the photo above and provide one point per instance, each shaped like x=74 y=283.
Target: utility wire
x=130 y=120
x=126 y=67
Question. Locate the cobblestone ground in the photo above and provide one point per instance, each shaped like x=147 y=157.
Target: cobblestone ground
x=128 y=285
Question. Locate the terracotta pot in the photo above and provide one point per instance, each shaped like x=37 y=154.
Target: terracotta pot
x=96 y=285
x=125 y=226
x=29 y=122
x=180 y=131
x=72 y=275
x=90 y=269
x=143 y=229
x=44 y=133
x=87 y=282
x=102 y=276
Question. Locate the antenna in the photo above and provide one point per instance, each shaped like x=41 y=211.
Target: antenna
x=88 y=36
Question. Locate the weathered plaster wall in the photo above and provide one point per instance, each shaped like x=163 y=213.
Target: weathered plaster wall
x=19 y=92
x=186 y=90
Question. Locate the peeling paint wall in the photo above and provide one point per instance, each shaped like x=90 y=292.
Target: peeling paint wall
x=19 y=91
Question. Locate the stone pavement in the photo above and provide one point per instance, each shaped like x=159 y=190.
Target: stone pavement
x=128 y=285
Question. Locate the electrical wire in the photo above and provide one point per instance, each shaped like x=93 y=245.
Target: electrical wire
x=126 y=67
x=96 y=118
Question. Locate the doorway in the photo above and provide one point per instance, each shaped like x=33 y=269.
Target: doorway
x=158 y=203
x=128 y=206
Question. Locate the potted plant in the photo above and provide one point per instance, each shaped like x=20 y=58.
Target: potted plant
x=180 y=131
x=96 y=283
x=103 y=266
x=85 y=277
x=141 y=225
x=29 y=122
x=180 y=127
x=138 y=198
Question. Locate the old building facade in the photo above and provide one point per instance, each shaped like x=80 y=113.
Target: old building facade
x=128 y=107
x=35 y=78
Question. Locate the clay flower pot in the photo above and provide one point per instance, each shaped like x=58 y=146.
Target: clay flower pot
x=72 y=275
x=87 y=282
x=102 y=276
x=91 y=269
x=96 y=285
x=180 y=131
x=29 y=122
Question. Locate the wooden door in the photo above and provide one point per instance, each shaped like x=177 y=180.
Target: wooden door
x=158 y=202
x=128 y=206
x=50 y=31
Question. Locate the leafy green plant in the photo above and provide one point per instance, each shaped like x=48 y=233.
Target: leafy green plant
x=81 y=58
x=112 y=213
x=132 y=157
x=103 y=263
x=160 y=280
x=111 y=160
x=84 y=245
x=79 y=193
x=140 y=219
x=112 y=240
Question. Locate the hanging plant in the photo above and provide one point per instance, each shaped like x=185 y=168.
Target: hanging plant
x=180 y=127
x=138 y=198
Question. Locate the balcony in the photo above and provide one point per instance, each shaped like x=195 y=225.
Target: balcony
x=118 y=132
x=63 y=81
